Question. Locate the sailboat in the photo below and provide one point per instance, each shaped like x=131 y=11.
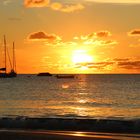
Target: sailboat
x=3 y=71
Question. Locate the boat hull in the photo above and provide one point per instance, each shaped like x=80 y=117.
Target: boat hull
x=44 y=74
x=8 y=75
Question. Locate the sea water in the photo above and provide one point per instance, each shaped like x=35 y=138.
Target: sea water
x=98 y=96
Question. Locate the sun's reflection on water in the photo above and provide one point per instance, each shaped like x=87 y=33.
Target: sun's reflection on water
x=65 y=86
x=82 y=101
x=80 y=111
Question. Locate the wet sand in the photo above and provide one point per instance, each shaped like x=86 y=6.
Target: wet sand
x=63 y=135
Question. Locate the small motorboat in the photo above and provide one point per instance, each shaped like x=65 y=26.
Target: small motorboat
x=44 y=74
x=65 y=76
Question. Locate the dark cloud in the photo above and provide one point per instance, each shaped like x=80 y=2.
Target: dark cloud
x=109 y=42
x=121 y=63
x=135 y=32
x=43 y=36
x=129 y=65
x=99 y=34
x=103 y=34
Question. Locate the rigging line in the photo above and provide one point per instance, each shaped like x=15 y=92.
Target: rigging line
x=9 y=58
x=5 y=50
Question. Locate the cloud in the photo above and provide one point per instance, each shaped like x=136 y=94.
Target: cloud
x=66 y=8
x=43 y=36
x=98 y=34
x=117 y=63
x=57 y=6
x=121 y=59
x=103 y=34
x=135 y=32
x=101 y=42
x=95 y=65
x=97 y=39
x=36 y=3
x=109 y=42
x=86 y=41
x=130 y=65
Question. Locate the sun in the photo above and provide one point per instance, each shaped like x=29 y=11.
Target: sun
x=81 y=56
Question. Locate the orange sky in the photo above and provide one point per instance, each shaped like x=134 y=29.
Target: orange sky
x=72 y=36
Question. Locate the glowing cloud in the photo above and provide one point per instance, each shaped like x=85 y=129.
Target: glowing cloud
x=97 y=39
x=66 y=8
x=57 y=6
x=121 y=59
x=96 y=65
x=36 y=3
x=85 y=41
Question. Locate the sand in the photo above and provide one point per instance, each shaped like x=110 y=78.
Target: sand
x=63 y=135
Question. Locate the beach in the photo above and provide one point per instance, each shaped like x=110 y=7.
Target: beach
x=63 y=135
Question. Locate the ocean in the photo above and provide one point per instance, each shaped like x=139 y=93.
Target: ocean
x=97 y=96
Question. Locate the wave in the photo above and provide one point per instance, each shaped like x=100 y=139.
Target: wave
x=71 y=124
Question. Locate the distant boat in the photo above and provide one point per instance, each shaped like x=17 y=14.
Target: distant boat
x=65 y=76
x=3 y=71
x=44 y=74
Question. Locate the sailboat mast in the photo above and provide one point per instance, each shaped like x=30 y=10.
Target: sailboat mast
x=5 y=51
x=14 y=60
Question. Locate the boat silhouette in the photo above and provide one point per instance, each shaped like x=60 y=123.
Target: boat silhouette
x=3 y=70
x=65 y=76
x=44 y=74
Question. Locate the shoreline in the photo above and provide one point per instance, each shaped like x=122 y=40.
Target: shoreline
x=63 y=135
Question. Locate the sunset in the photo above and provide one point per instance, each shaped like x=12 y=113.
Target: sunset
x=70 y=69
x=48 y=34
